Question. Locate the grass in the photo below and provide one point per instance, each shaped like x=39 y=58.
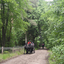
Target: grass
x=50 y=57
x=8 y=55
x=36 y=48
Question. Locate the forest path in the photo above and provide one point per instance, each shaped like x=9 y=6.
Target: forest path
x=39 y=57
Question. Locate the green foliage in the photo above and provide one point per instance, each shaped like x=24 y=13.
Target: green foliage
x=8 y=55
x=5 y=52
x=53 y=19
x=57 y=55
x=37 y=42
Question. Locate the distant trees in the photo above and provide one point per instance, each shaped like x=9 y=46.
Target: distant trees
x=49 y=19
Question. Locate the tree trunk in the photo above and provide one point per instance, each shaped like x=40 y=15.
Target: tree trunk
x=3 y=21
x=0 y=39
x=39 y=27
x=7 y=16
x=33 y=38
x=9 y=35
x=26 y=37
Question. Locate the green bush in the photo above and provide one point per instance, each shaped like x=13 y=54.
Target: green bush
x=6 y=52
x=57 y=56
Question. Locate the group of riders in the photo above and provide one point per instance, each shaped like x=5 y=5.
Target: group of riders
x=29 y=47
x=30 y=43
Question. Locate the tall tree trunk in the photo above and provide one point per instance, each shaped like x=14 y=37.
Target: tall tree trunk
x=7 y=16
x=3 y=21
x=39 y=28
x=0 y=39
x=33 y=38
x=3 y=36
x=9 y=34
x=26 y=37
x=8 y=37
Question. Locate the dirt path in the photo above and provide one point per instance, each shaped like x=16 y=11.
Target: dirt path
x=39 y=57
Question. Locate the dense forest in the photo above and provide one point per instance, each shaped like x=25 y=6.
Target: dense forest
x=37 y=20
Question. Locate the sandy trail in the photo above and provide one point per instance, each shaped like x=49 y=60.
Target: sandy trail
x=39 y=57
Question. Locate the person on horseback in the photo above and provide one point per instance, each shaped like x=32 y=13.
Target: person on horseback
x=43 y=46
x=29 y=43
x=32 y=43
